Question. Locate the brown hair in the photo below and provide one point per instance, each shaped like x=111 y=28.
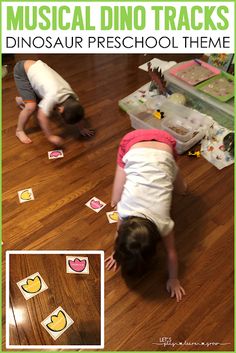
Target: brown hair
x=73 y=111
x=135 y=245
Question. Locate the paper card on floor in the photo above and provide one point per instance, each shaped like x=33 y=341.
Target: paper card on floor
x=112 y=216
x=32 y=285
x=55 y=154
x=25 y=195
x=163 y=65
x=95 y=204
x=57 y=323
x=77 y=264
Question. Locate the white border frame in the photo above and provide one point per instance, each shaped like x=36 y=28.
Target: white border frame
x=53 y=252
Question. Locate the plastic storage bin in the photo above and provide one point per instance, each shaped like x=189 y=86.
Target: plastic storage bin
x=141 y=117
x=173 y=110
x=182 y=147
x=180 y=128
x=221 y=112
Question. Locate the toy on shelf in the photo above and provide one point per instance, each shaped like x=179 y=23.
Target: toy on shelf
x=158 y=114
x=194 y=154
x=158 y=80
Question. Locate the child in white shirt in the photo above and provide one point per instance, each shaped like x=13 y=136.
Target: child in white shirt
x=41 y=87
x=145 y=177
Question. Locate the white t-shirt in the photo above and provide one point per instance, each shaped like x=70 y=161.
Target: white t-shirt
x=150 y=174
x=49 y=86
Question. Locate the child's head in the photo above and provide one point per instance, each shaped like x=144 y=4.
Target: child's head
x=135 y=245
x=72 y=111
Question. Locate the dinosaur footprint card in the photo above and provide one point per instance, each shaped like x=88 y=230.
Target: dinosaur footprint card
x=112 y=216
x=95 y=204
x=55 y=154
x=32 y=285
x=25 y=195
x=57 y=323
x=77 y=265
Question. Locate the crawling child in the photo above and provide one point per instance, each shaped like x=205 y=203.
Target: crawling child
x=145 y=177
x=40 y=87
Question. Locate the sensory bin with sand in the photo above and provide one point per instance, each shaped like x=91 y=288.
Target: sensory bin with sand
x=189 y=121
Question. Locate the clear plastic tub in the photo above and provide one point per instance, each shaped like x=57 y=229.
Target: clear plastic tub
x=182 y=147
x=173 y=110
x=180 y=128
x=155 y=103
x=221 y=112
x=141 y=117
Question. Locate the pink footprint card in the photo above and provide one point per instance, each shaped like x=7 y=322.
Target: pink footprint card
x=95 y=204
x=25 y=195
x=112 y=216
x=77 y=265
x=57 y=323
x=32 y=285
x=55 y=154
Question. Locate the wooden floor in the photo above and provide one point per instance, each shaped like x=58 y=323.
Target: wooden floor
x=78 y=295
x=139 y=314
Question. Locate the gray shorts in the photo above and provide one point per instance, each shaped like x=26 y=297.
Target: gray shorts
x=23 y=85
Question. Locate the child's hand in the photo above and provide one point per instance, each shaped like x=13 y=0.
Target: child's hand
x=174 y=288
x=111 y=263
x=87 y=132
x=56 y=140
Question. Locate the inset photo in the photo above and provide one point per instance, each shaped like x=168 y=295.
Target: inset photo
x=54 y=299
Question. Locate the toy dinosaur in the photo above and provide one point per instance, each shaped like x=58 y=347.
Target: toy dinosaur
x=158 y=114
x=194 y=153
x=158 y=80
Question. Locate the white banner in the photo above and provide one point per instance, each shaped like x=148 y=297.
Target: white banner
x=108 y=27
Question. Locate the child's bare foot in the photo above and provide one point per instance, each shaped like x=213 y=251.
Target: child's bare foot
x=20 y=102
x=23 y=137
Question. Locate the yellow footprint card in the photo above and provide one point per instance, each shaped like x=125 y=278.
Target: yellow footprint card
x=112 y=216
x=57 y=323
x=32 y=285
x=25 y=195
